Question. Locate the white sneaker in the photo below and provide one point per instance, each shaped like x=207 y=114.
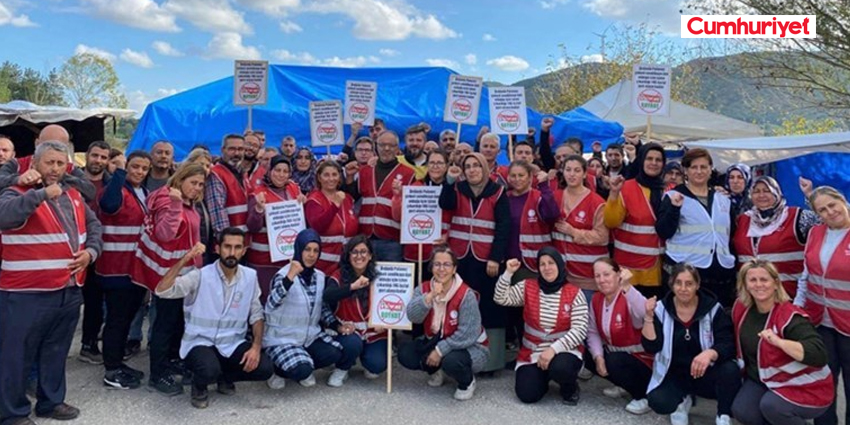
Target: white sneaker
x=680 y=416
x=308 y=382
x=276 y=382
x=639 y=407
x=585 y=374
x=614 y=392
x=723 y=420
x=436 y=379
x=466 y=394
x=370 y=375
x=337 y=378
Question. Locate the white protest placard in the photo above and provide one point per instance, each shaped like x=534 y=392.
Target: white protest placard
x=360 y=98
x=250 y=83
x=507 y=110
x=462 y=99
x=421 y=216
x=651 y=89
x=391 y=293
x=326 y=123
x=283 y=222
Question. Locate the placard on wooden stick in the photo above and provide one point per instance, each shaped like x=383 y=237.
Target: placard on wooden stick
x=390 y=294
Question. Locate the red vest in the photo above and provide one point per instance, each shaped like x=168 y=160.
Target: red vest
x=636 y=243
x=348 y=310
x=154 y=257
x=36 y=255
x=411 y=251
x=579 y=258
x=475 y=229
x=621 y=335
x=255 y=179
x=828 y=286
x=534 y=334
x=258 y=248
x=376 y=214
x=534 y=233
x=342 y=228
x=25 y=163
x=121 y=232
x=780 y=248
x=450 y=321
x=499 y=175
x=236 y=204
x=795 y=382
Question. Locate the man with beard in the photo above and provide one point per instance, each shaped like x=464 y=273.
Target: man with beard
x=414 y=150
x=448 y=141
x=220 y=301
x=55 y=236
x=162 y=167
x=224 y=193
x=251 y=168
x=7 y=149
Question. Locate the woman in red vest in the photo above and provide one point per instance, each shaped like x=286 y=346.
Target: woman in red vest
x=825 y=290
x=555 y=314
x=347 y=292
x=330 y=212
x=783 y=357
x=455 y=341
x=774 y=231
x=274 y=187
x=172 y=227
x=637 y=246
x=580 y=234
x=613 y=335
x=481 y=221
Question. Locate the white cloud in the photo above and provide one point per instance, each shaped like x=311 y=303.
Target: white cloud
x=389 y=52
x=7 y=17
x=551 y=4
x=385 y=19
x=144 y=14
x=304 y=58
x=139 y=100
x=471 y=59
x=166 y=49
x=290 y=27
x=663 y=13
x=592 y=58
x=286 y=56
x=228 y=45
x=488 y=37
x=140 y=59
x=352 y=62
x=275 y=8
x=82 y=48
x=216 y=16
x=448 y=63
x=509 y=63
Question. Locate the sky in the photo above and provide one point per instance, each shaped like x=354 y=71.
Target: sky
x=162 y=47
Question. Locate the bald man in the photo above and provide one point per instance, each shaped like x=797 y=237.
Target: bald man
x=18 y=171
x=7 y=149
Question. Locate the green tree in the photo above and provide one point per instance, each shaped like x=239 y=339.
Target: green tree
x=30 y=85
x=802 y=126
x=90 y=81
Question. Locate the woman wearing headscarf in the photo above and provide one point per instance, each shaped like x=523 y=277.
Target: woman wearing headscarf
x=673 y=174
x=637 y=246
x=737 y=185
x=304 y=169
x=773 y=231
x=275 y=186
x=481 y=221
x=555 y=314
x=296 y=316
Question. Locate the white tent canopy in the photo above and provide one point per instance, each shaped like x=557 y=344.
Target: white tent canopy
x=684 y=123
x=762 y=150
x=10 y=112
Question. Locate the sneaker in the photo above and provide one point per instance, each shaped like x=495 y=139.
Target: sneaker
x=132 y=348
x=436 y=379
x=138 y=374
x=723 y=420
x=573 y=399
x=584 y=374
x=639 y=407
x=121 y=380
x=179 y=368
x=200 y=397
x=337 y=378
x=276 y=382
x=615 y=392
x=226 y=388
x=165 y=385
x=680 y=416
x=62 y=412
x=308 y=381
x=466 y=394
x=90 y=354
x=370 y=376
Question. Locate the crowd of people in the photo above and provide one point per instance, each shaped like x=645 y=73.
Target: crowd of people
x=668 y=279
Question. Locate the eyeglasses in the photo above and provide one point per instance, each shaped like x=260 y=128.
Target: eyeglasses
x=359 y=252
x=436 y=164
x=442 y=265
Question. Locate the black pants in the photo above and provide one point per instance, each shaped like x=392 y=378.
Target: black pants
x=838 y=349
x=532 y=382
x=92 y=307
x=720 y=382
x=166 y=333
x=755 y=405
x=209 y=366
x=122 y=301
x=456 y=364
x=624 y=371
x=35 y=328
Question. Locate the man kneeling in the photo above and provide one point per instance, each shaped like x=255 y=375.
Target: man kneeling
x=220 y=300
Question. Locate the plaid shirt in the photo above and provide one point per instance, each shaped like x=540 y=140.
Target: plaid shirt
x=215 y=195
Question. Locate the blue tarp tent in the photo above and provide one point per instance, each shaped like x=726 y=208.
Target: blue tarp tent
x=406 y=96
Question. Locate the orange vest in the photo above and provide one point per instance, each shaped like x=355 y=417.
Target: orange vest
x=780 y=248
x=450 y=321
x=534 y=233
x=258 y=249
x=828 y=286
x=349 y=310
x=475 y=229
x=236 y=204
x=376 y=214
x=579 y=258
x=342 y=228
x=534 y=334
x=121 y=232
x=621 y=335
x=636 y=243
